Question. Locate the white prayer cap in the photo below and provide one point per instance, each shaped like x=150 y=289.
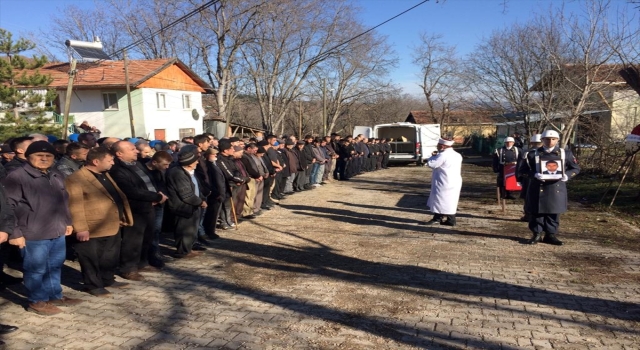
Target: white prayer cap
x=445 y=142
x=509 y=139
x=550 y=134
x=536 y=138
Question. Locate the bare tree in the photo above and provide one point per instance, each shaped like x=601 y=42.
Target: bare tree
x=218 y=35
x=440 y=74
x=74 y=23
x=580 y=69
x=353 y=74
x=289 y=42
x=503 y=69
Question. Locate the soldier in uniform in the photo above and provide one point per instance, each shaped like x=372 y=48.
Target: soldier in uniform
x=506 y=155
x=535 y=142
x=547 y=198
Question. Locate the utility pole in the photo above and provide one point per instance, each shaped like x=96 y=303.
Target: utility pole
x=126 y=81
x=300 y=120
x=67 y=98
x=324 y=107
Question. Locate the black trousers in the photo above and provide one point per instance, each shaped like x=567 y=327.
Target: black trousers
x=186 y=232
x=385 y=160
x=136 y=242
x=548 y=223
x=214 y=207
x=98 y=258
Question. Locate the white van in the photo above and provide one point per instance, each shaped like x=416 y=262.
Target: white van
x=412 y=143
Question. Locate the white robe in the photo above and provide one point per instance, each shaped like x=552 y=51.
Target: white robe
x=446 y=182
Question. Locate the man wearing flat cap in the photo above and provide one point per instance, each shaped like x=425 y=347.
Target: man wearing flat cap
x=187 y=200
x=446 y=183
x=37 y=195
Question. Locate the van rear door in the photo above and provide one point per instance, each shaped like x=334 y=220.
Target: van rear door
x=429 y=136
x=366 y=131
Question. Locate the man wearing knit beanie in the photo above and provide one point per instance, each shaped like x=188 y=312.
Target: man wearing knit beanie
x=37 y=195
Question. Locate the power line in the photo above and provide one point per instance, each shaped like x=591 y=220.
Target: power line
x=365 y=32
x=172 y=24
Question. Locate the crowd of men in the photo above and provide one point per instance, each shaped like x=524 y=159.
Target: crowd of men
x=106 y=201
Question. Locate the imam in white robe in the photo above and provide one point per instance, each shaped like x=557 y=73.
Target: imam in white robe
x=446 y=182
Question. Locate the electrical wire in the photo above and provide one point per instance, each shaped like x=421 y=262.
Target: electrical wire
x=177 y=21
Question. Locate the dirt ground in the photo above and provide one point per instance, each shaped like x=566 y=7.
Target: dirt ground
x=348 y=266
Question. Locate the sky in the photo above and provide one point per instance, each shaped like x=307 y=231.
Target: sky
x=462 y=23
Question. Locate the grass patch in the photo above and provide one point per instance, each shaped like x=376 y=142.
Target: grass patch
x=588 y=189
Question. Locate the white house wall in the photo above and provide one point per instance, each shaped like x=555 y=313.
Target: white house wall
x=625 y=113
x=172 y=118
x=85 y=105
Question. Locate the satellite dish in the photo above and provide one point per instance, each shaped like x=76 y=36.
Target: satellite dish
x=195 y=114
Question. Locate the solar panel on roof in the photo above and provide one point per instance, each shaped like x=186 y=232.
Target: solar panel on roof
x=88 y=51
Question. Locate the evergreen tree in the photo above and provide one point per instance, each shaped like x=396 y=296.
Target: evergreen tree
x=23 y=108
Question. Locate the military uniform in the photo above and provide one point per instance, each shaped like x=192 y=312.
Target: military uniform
x=547 y=199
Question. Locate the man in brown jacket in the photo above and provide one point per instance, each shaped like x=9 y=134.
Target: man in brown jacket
x=98 y=210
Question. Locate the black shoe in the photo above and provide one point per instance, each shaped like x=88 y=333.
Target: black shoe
x=537 y=237
x=100 y=292
x=551 y=238
x=266 y=207
x=198 y=247
x=249 y=217
x=203 y=241
x=117 y=284
x=258 y=213
x=509 y=197
x=448 y=223
x=157 y=263
x=213 y=236
x=525 y=218
x=6 y=329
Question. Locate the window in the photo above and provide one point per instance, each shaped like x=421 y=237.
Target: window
x=162 y=100
x=187 y=132
x=110 y=100
x=186 y=101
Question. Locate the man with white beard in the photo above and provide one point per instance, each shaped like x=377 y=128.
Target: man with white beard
x=446 y=182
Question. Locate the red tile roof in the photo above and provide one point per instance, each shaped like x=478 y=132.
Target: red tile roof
x=110 y=74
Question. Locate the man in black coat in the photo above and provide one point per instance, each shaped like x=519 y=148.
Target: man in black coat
x=7 y=223
x=186 y=201
x=226 y=163
x=157 y=167
x=135 y=180
x=220 y=192
x=547 y=198
x=301 y=178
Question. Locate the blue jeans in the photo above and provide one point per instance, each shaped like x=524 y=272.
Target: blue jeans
x=157 y=228
x=42 y=267
x=315 y=168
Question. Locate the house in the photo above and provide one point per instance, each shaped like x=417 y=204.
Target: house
x=166 y=97
x=610 y=111
x=457 y=124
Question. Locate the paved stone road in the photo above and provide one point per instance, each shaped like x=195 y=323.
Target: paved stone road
x=348 y=266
